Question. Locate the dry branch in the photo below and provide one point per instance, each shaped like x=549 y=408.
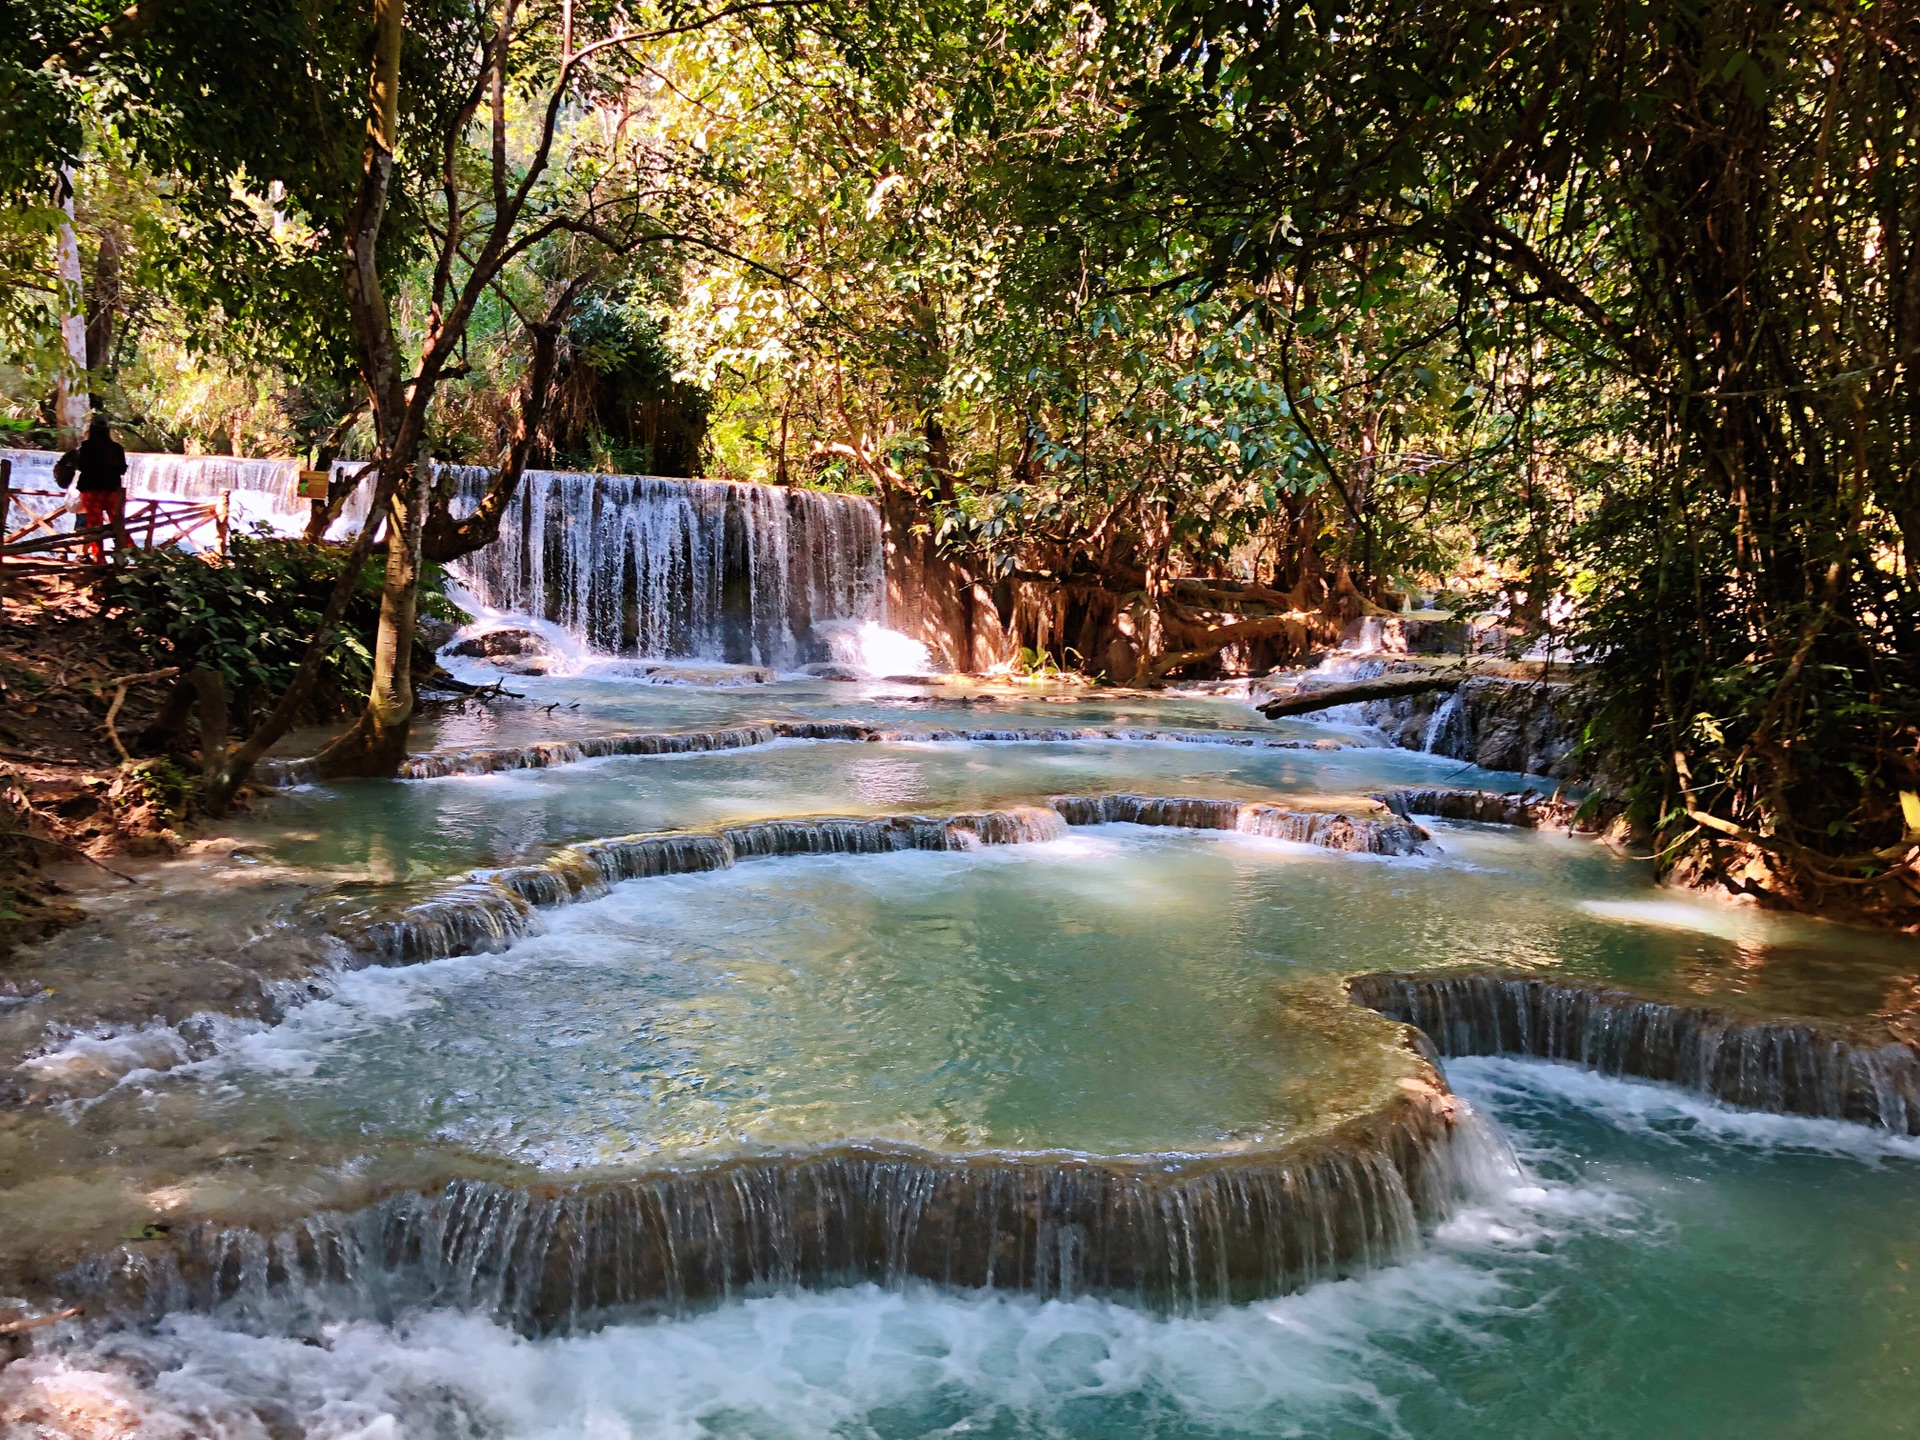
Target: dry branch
x=35 y=1322
x=120 y=688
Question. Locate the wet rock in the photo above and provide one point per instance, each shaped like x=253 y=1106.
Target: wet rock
x=435 y=633
x=1482 y=805
x=1493 y=722
x=497 y=644
x=695 y=673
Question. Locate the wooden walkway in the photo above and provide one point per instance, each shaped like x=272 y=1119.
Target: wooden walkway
x=30 y=529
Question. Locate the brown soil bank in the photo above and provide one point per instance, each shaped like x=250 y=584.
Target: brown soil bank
x=64 y=794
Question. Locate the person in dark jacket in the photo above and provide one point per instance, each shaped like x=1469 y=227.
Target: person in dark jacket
x=99 y=468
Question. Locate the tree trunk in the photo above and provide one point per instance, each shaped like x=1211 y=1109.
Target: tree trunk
x=380 y=367
x=70 y=385
x=1388 y=687
x=1210 y=641
x=220 y=791
x=378 y=742
x=160 y=736
x=101 y=308
x=210 y=699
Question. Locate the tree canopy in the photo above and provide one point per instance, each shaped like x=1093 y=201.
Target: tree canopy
x=1189 y=334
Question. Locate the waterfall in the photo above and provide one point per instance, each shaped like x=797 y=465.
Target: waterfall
x=1171 y=1233
x=1449 y=730
x=636 y=565
x=1783 y=1066
x=629 y=564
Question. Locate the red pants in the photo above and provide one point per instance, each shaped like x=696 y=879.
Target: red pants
x=103 y=507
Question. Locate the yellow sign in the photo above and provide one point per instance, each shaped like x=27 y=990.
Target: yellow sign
x=312 y=485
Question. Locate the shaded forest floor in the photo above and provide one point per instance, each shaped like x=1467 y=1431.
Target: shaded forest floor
x=64 y=794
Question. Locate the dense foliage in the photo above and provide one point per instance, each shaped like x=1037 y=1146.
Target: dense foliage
x=1716 y=209
x=248 y=617
x=1186 y=335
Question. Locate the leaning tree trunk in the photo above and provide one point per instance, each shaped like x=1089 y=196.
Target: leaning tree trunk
x=378 y=741
x=1325 y=697
x=379 y=360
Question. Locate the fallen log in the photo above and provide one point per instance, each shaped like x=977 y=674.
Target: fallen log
x=1387 y=687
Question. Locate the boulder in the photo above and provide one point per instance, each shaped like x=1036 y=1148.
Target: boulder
x=494 y=644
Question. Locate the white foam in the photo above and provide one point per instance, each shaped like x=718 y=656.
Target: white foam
x=150 y=1048
x=805 y=1365
x=872 y=649
x=854 y=1361
x=1666 y=1112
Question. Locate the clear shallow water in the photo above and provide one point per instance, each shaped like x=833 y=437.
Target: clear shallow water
x=1665 y=1268
x=1118 y=992
x=570 y=705
x=431 y=827
x=1122 y=991
x=1495 y=897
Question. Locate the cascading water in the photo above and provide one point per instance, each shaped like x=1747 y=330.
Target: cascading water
x=947 y=1138
x=543 y=1259
x=490 y=910
x=629 y=565
x=542 y=755
x=970 y=1132
x=636 y=565
x=1449 y=731
x=1781 y=1066
x=867 y=648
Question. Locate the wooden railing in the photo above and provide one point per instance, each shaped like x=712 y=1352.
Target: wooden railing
x=145 y=524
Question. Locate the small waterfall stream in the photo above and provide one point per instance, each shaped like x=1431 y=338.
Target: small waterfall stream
x=1448 y=731
x=636 y=565
x=1179 y=1236
x=1780 y=1066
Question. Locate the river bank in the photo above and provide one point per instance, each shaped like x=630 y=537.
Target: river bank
x=66 y=797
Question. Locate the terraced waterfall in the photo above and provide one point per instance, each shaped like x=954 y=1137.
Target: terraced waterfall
x=822 y=1058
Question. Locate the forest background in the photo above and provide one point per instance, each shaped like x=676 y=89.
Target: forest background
x=1187 y=333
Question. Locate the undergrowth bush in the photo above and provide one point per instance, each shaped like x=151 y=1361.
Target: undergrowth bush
x=250 y=615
